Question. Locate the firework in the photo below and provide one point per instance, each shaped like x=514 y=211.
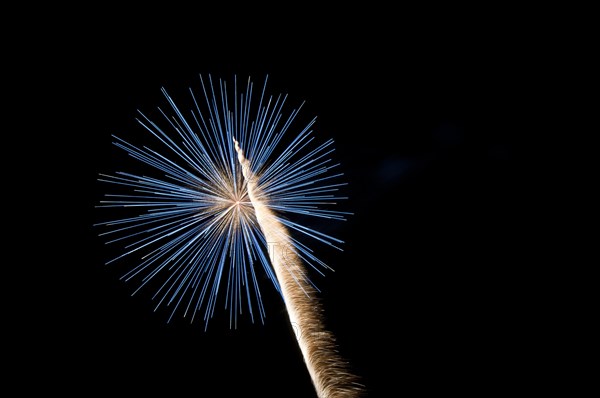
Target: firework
x=225 y=203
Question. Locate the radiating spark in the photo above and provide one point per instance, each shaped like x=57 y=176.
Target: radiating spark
x=191 y=230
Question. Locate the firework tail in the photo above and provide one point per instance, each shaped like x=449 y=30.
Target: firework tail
x=328 y=371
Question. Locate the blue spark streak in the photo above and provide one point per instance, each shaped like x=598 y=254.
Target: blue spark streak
x=193 y=226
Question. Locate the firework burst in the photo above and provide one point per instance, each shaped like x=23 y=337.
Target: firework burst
x=223 y=199
x=193 y=232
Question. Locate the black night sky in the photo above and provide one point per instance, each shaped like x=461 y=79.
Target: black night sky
x=421 y=293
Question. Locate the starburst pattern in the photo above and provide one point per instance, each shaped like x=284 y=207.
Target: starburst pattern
x=193 y=234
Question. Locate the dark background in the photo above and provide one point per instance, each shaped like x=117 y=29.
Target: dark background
x=422 y=297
